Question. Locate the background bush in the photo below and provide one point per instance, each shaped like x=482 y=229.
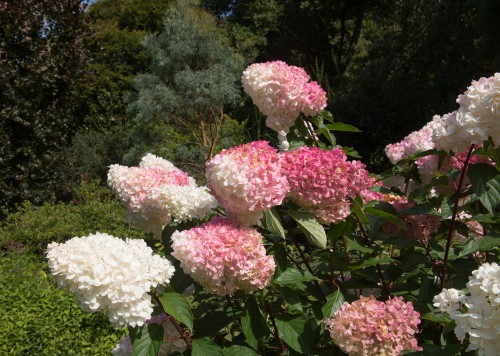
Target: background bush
x=94 y=208
x=38 y=318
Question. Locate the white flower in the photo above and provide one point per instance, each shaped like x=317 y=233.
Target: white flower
x=477 y=118
x=477 y=311
x=110 y=275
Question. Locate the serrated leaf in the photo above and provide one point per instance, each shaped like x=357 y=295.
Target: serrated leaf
x=485 y=181
x=239 y=350
x=273 y=224
x=205 y=348
x=298 y=332
x=177 y=305
x=340 y=126
x=254 y=324
x=484 y=243
x=293 y=276
x=333 y=302
x=148 y=340
x=312 y=229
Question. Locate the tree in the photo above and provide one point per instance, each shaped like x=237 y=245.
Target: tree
x=42 y=61
x=193 y=76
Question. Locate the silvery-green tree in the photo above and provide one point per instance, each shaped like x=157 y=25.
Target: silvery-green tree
x=179 y=104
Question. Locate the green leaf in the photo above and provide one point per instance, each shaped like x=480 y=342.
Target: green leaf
x=372 y=262
x=353 y=245
x=148 y=340
x=291 y=297
x=342 y=228
x=331 y=138
x=437 y=317
x=484 y=243
x=273 y=224
x=357 y=205
x=333 y=302
x=340 y=126
x=312 y=229
x=387 y=212
x=178 y=306
x=254 y=324
x=205 y=348
x=239 y=350
x=485 y=181
x=293 y=276
x=298 y=332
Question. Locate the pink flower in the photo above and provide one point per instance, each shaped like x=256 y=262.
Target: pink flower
x=247 y=180
x=224 y=257
x=323 y=181
x=370 y=327
x=282 y=92
x=157 y=191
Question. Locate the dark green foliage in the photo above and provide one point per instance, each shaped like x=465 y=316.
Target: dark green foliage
x=93 y=209
x=38 y=318
x=42 y=62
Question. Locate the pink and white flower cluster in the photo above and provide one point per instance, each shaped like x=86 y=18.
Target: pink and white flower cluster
x=476 y=119
x=476 y=311
x=422 y=140
x=247 y=180
x=172 y=341
x=323 y=181
x=224 y=257
x=370 y=327
x=157 y=192
x=110 y=275
x=282 y=92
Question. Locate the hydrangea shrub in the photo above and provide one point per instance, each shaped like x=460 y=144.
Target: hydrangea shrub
x=302 y=250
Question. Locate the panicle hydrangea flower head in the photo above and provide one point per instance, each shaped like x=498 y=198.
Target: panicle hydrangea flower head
x=172 y=341
x=370 y=327
x=476 y=310
x=224 y=257
x=282 y=92
x=110 y=275
x=477 y=117
x=323 y=181
x=157 y=191
x=247 y=180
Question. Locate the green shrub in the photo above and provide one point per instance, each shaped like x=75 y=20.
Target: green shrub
x=94 y=209
x=38 y=318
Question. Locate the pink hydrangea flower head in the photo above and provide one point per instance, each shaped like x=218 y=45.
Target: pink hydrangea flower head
x=282 y=92
x=157 y=191
x=370 y=327
x=323 y=181
x=247 y=180
x=224 y=257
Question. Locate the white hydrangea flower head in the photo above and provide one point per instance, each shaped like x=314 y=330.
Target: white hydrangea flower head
x=476 y=311
x=110 y=275
x=477 y=118
x=156 y=192
x=181 y=202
